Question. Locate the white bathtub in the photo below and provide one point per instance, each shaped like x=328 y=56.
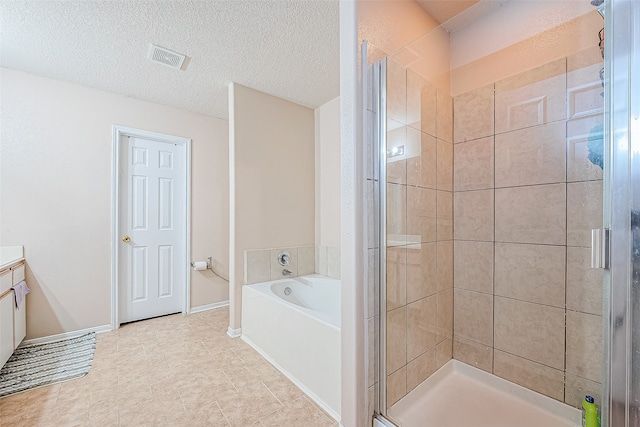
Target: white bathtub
x=295 y=324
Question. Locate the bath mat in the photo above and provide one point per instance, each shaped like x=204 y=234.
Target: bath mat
x=43 y=364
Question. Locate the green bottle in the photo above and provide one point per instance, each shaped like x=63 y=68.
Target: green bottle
x=589 y=413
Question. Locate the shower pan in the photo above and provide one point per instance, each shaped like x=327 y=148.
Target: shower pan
x=501 y=166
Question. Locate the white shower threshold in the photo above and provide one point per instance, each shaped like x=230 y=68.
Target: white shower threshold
x=459 y=395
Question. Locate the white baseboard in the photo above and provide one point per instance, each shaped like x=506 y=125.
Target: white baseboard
x=206 y=307
x=234 y=333
x=66 y=335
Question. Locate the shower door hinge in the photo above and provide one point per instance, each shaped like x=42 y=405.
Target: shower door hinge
x=600 y=248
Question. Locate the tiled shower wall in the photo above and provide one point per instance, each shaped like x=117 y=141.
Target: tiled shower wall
x=261 y=265
x=527 y=306
x=419 y=230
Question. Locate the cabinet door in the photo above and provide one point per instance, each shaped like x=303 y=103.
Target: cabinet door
x=19 y=322
x=5 y=281
x=18 y=274
x=6 y=327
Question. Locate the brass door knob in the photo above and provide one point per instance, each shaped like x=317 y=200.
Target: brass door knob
x=126 y=239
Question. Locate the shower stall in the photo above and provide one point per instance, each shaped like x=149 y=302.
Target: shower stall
x=501 y=151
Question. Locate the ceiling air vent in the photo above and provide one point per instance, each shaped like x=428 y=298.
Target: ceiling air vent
x=166 y=57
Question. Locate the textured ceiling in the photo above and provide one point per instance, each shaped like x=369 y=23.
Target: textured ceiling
x=443 y=10
x=284 y=48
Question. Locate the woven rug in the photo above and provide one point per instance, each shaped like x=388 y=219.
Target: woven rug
x=43 y=364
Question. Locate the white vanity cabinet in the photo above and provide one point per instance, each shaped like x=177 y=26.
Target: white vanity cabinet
x=19 y=314
x=13 y=321
x=7 y=343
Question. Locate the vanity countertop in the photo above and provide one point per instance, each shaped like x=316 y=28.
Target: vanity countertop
x=10 y=255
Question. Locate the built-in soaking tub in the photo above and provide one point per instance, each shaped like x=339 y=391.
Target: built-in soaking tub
x=295 y=324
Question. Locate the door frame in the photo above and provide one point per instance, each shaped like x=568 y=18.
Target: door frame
x=118 y=132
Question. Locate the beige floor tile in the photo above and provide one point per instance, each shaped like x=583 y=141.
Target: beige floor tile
x=141 y=415
x=241 y=376
x=209 y=416
x=103 y=415
x=243 y=408
x=283 y=389
x=299 y=412
x=175 y=371
x=200 y=394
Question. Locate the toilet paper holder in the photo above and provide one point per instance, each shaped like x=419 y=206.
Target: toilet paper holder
x=209 y=263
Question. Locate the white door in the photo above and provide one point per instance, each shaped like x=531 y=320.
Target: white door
x=152 y=224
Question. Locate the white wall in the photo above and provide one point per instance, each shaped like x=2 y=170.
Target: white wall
x=510 y=23
x=389 y=25
x=327 y=157
x=535 y=33
x=272 y=178
x=55 y=194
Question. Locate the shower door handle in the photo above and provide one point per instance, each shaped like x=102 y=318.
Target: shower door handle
x=600 y=248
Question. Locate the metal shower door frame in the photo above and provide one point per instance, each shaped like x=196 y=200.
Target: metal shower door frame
x=622 y=210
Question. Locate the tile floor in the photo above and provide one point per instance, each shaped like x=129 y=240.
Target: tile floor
x=170 y=371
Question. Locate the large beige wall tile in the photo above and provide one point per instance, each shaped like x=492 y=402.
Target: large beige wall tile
x=397 y=165
x=421 y=103
x=532 y=331
x=473 y=215
x=421 y=326
x=584 y=345
x=473 y=266
x=531 y=156
x=421 y=271
x=531 y=98
x=576 y=388
x=584 y=284
x=473 y=353
x=535 y=214
x=584 y=88
x=257 y=266
x=473 y=164
x=445 y=166
x=396 y=214
x=396 y=91
x=444 y=215
x=583 y=133
x=444 y=275
x=396 y=339
x=584 y=211
x=473 y=316
x=444 y=127
x=532 y=375
x=420 y=369
x=396 y=386
x=421 y=213
x=473 y=114
x=306 y=260
x=444 y=352
x=421 y=159
x=444 y=302
x=533 y=273
x=396 y=277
